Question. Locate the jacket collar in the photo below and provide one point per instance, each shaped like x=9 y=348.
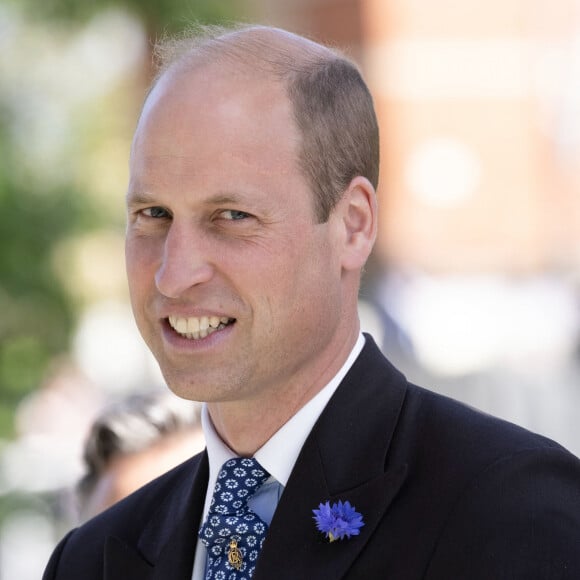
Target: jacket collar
x=346 y=458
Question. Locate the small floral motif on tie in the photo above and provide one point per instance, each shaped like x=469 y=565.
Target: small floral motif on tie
x=232 y=533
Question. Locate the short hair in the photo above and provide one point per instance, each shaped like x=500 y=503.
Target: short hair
x=333 y=108
x=132 y=425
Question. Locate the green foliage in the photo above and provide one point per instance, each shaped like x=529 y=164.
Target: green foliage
x=159 y=17
x=37 y=315
x=38 y=210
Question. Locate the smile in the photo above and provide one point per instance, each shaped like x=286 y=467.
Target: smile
x=198 y=327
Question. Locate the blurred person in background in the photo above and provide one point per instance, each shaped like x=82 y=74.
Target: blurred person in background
x=251 y=214
x=132 y=442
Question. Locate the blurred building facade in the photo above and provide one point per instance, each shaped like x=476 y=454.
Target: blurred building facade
x=479 y=110
x=477 y=268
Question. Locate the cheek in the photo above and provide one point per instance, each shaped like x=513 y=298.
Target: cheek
x=140 y=263
x=321 y=282
x=134 y=276
x=303 y=285
x=141 y=283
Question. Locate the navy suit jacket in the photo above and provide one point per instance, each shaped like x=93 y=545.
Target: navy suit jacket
x=446 y=493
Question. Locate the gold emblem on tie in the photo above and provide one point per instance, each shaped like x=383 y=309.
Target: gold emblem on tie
x=234 y=555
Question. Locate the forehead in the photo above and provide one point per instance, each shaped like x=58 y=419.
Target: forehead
x=218 y=112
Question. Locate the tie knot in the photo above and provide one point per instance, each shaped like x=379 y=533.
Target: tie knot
x=237 y=481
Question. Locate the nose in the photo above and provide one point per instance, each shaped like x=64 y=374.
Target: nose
x=185 y=261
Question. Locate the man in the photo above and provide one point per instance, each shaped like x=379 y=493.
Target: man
x=251 y=213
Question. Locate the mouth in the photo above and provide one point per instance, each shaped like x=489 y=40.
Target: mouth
x=196 y=328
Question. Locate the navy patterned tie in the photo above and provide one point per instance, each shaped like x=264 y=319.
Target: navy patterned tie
x=232 y=533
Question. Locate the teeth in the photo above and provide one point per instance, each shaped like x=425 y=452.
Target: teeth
x=198 y=327
x=181 y=325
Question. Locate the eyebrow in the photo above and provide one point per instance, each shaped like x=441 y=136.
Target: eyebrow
x=143 y=197
x=139 y=197
x=225 y=198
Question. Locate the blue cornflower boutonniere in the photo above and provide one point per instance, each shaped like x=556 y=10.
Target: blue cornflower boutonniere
x=338 y=521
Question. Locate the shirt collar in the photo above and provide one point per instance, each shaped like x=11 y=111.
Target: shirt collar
x=279 y=454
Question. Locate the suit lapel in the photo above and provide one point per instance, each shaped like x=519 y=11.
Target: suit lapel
x=166 y=546
x=295 y=549
x=344 y=458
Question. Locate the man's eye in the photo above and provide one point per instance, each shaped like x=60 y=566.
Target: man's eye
x=155 y=212
x=234 y=214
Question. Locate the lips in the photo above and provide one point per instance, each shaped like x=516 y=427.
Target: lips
x=196 y=328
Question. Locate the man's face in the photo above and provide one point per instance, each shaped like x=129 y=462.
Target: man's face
x=235 y=287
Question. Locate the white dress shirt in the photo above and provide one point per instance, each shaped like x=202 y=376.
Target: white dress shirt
x=277 y=456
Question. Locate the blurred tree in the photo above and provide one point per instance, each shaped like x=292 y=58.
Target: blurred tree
x=37 y=314
x=168 y=16
x=37 y=210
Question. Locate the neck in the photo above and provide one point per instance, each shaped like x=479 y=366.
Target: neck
x=245 y=426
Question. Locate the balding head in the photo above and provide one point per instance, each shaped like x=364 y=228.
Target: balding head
x=271 y=50
x=250 y=218
x=331 y=104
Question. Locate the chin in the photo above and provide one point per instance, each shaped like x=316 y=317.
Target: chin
x=190 y=389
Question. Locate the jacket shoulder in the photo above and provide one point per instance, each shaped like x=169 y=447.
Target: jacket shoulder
x=458 y=430
x=81 y=552
x=500 y=501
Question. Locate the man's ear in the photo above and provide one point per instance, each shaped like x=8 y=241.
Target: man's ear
x=358 y=211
